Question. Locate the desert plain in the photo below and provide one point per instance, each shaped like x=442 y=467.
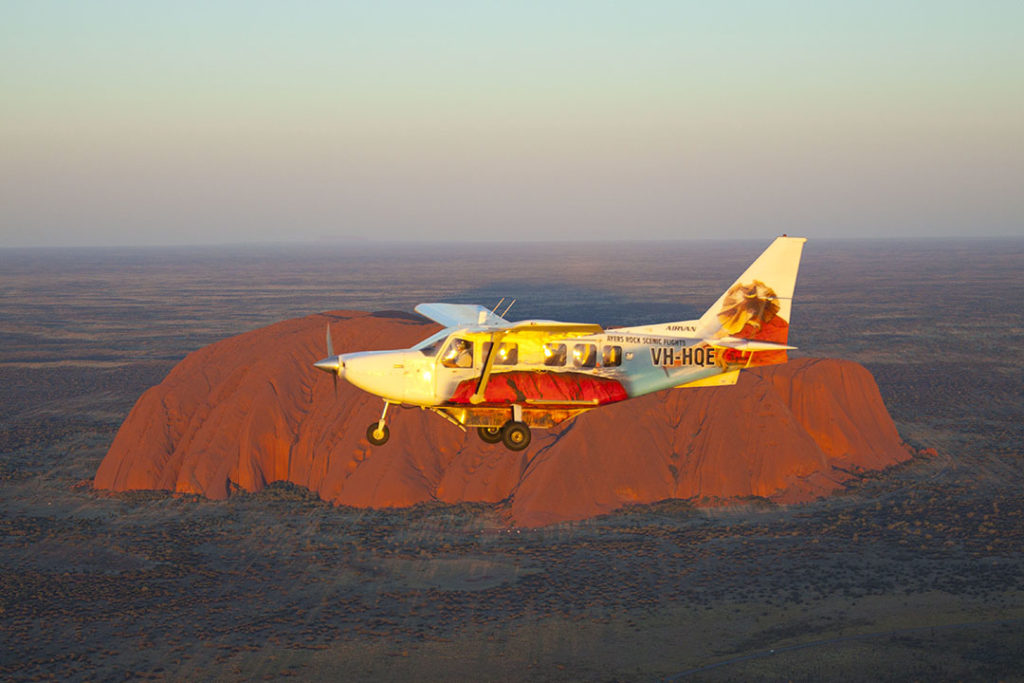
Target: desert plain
x=913 y=573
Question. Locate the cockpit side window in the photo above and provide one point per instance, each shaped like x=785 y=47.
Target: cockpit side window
x=554 y=354
x=584 y=355
x=459 y=354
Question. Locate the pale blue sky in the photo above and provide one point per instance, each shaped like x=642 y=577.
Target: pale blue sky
x=155 y=122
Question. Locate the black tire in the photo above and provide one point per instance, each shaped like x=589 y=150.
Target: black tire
x=515 y=436
x=377 y=439
x=489 y=434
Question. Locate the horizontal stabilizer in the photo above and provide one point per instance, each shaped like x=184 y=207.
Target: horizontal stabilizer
x=747 y=345
x=725 y=379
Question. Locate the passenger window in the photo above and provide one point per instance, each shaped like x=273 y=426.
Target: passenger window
x=459 y=354
x=508 y=353
x=584 y=355
x=612 y=356
x=554 y=354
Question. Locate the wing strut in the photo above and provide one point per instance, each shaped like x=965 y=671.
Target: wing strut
x=481 y=385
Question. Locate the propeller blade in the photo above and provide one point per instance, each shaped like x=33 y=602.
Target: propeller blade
x=332 y=363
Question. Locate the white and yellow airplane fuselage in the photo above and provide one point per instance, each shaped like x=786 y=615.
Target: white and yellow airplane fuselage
x=507 y=377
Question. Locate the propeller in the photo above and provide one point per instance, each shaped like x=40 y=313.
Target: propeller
x=332 y=364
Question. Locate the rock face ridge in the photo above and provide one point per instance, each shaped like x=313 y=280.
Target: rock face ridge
x=251 y=409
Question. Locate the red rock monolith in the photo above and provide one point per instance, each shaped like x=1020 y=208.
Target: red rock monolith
x=251 y=410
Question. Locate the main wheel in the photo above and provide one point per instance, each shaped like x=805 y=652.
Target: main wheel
x=377 y=436
x=489 y=434
x=515 y=436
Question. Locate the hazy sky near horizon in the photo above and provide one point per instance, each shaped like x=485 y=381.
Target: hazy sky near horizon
x=229 y=121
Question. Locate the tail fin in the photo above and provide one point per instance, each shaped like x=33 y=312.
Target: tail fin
x=753 y=315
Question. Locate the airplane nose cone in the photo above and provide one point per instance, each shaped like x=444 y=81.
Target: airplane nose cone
x=331 y=364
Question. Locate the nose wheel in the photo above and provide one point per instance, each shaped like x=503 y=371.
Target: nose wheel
x=378 y=433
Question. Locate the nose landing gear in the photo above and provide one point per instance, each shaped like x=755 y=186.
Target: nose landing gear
x=378 y=433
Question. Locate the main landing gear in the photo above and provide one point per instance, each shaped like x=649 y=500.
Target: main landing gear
x=515 y=435
x=489 y=434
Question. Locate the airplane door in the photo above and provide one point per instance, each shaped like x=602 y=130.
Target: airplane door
x=455 y=364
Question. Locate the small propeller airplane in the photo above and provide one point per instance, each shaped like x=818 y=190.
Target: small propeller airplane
x=505 y=378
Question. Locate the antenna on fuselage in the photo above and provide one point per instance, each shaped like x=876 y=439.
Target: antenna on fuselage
x=507 y=307
x=493 y=310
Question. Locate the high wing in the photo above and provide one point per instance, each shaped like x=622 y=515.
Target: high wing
x=460 y=315
x=555 y=328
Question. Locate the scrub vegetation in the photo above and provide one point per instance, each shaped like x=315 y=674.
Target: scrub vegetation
x=912 y=573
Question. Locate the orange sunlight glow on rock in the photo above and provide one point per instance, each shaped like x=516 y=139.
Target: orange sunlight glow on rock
x=252 y=409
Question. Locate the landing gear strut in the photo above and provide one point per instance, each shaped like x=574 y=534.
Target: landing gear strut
x=378 y=433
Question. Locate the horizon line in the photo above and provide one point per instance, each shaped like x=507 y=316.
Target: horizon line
x=454 y=242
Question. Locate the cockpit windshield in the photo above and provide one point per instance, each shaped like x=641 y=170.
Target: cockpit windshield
x=432 y=344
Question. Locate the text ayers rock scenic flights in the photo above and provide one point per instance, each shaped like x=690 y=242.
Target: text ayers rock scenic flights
x=251 y=410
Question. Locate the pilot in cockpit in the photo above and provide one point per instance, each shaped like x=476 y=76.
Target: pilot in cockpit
x=459 y=354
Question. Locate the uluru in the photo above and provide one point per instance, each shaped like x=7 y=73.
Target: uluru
x=251 y=410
